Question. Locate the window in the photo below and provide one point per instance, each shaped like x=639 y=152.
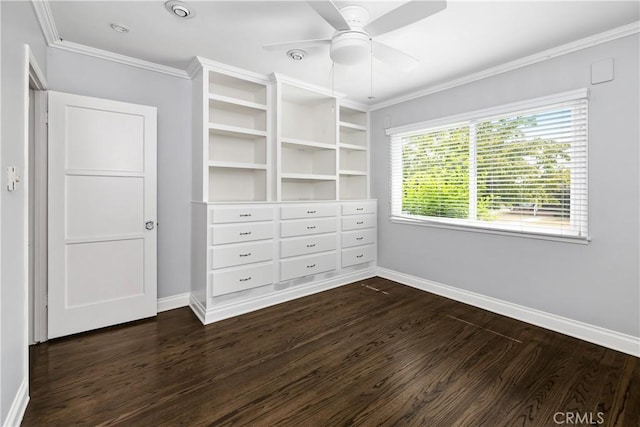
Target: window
x=518 y=168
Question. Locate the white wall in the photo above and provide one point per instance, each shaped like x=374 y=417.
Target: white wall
x=19 y=26
x=596 y=283
x=85 y=75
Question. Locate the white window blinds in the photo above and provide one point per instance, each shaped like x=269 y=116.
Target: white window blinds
x=522 y=169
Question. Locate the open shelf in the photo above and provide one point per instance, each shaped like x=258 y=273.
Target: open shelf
x=353 y=136
x=308 y=189
x=355 y=160
x=305 y=143
x=233 y=87
x=230 y=184
x=239 y=102
x=237 y=165
x=353 y=187
x=352 y=126
x=307 y=159
x=237 y=115
x=307 y=115
x=352 y=117
x=230 y=146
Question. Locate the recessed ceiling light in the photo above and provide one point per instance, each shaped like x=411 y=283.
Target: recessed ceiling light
x=119 y=28
x=296 y=54
x=179 y=9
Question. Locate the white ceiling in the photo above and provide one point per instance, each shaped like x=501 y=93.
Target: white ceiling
x=464 y=38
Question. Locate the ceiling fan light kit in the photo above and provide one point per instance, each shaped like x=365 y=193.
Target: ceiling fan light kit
x=350 y=48
x=352 y=43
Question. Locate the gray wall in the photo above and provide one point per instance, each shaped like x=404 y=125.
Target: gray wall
x=596 y=283
x=19 y=27
x=85 y=75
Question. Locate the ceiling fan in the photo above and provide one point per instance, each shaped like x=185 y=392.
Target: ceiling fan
x=352 y=42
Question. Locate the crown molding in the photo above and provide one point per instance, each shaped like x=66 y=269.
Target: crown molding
x=199 y=62
x=278 y=77
x=43 y=12
x=596 y=39
x=121 y=59
x=45 y=18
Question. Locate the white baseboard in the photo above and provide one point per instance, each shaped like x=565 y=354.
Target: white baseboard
x=19 y=406
x=584 y=331
x=174 y=301
x=241 y=307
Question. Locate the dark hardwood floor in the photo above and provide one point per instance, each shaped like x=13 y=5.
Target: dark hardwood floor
x=353 y=355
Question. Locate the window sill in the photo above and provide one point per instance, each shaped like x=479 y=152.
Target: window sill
x=485 y=230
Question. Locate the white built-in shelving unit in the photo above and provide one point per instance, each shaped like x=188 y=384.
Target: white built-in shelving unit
x=306 y=142
x=353 y=153
x=232 y=162
x=280 y=187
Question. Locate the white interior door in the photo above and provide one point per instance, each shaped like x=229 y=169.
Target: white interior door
x=102 y=213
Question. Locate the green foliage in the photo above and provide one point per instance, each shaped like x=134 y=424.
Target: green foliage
x=515 y=167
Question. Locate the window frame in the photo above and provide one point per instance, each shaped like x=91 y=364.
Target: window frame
x=466 y=224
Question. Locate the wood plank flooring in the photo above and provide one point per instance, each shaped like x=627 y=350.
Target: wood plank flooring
x=370 y=353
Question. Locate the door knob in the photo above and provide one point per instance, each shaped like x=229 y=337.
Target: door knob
x=149 y=225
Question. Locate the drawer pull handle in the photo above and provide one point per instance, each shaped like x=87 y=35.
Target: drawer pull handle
x=313 y=245
x=247 y=254
x=360 y=222
x=359 y=209
x=311 y=227
x=311 y=212
x=359 y=256
x=246 y=279
x=246 y=233
x=359 y=238
x=244 y=215
x=311 y=266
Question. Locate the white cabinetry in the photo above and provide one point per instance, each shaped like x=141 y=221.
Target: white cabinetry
x=256 y=255
x=268 y=219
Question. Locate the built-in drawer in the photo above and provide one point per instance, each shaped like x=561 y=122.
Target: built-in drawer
x=236 y=214
x=235 y=233
x=308 y=211
x=302 y=227
x=241 y=278
x=357 y=208
x=307 y=265
x=296 y=246
x=358 y=237
x=358 y=222
x=358 y=255
x=243 y=253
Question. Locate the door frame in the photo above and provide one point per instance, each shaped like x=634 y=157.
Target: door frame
x=37 y=323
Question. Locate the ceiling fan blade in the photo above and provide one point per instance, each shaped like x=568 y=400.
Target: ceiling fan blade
x=300 y=44
x=393 y=56
x=408 y=13
x=330 y=13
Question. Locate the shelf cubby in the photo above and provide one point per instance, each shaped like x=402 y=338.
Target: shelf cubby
x=353 y=187
x=307 y=115
x=237 y=115
x=355 y=160
x=307 y=159
x=299 y=188
x=236 y=184
x=353 y=117
x=228 y=86
x=230 y=146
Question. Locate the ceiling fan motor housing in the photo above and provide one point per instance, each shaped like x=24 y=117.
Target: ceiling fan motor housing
x=350 y=47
